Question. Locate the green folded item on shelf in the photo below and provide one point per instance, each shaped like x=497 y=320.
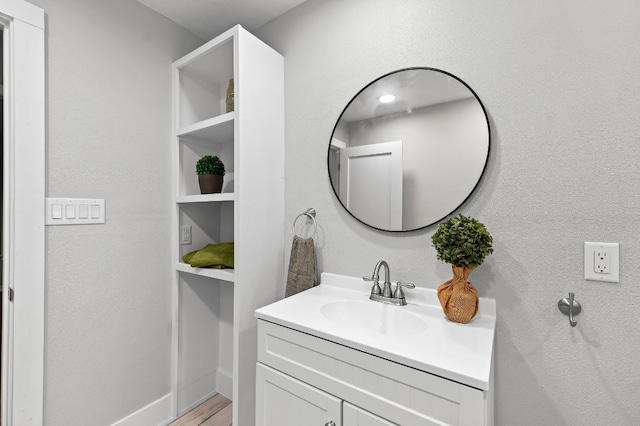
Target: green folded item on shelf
x=212 y=256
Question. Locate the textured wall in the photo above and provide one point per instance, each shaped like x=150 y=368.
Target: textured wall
x=108 y=323
x=559 y=81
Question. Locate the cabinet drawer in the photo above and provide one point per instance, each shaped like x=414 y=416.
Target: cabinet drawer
x=393 y=391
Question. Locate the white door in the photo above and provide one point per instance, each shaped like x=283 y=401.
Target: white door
x=23 y=213
x=354 y=416
x=285 y=401
x=371 y=183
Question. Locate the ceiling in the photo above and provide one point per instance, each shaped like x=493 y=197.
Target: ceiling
x=413 y=88
x=209 y=18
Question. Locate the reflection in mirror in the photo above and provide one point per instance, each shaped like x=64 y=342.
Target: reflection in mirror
x=409 y=149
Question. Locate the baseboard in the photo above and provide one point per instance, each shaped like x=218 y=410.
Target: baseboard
x=154 y=414
x=196 y=392
x=159 y=412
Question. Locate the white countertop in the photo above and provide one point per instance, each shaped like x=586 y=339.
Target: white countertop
x=459 y=352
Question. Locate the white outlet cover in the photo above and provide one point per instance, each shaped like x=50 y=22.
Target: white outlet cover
x=613 y=249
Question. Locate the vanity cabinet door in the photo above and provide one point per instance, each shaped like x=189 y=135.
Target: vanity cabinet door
x=282 y=400
x=354 y=416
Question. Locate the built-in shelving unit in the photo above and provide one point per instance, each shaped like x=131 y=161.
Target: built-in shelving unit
x=214 y=328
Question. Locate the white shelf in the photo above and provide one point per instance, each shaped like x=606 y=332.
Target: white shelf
x=217 y=129
x=206 y=198
x=220 y=274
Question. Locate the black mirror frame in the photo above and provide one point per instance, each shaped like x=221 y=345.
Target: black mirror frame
x=486 y=160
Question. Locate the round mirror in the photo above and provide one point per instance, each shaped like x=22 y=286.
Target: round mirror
x=409 y=149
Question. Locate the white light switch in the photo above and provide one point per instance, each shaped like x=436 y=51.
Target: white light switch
x=69 y=211
x=56 y=211
x=74 y=211
x=95 y=211
x=83 y=211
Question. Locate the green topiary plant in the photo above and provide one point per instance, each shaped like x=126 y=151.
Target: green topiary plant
x=464 y=243
x=210 y=165
x=462 y=240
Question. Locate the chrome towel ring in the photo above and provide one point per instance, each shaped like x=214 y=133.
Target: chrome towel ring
x=310 y=214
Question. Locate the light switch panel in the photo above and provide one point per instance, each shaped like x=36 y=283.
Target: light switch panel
x=74 y=211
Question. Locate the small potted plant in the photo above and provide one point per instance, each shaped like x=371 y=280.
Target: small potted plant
x=210 y=170
x=464 y=243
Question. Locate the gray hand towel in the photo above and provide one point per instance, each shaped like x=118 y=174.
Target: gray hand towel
x=302 y=266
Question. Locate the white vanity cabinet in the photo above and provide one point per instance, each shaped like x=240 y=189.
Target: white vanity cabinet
x=391 y=393
x=310 y=373
x=214 y=328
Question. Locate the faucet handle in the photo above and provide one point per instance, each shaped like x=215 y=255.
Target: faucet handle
x=376 y=286
x=398 y=293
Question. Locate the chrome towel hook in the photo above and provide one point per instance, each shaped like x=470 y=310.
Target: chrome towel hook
x=570 y=306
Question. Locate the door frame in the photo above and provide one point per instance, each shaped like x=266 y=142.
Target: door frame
x=393 y=150
x=23 y=269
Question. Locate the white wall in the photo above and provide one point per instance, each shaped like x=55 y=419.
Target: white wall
x=559 y=82
x=108 y=324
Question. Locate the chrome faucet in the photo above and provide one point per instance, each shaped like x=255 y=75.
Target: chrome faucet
x=385 y=294
x=386 y=289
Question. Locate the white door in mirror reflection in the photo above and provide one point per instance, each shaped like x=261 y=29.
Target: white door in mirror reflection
x=371 y=184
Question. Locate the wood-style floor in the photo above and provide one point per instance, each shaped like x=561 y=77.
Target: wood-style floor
x=215 y=411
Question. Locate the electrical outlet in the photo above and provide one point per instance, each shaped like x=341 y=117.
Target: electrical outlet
x=602 y=262
x=185 y=235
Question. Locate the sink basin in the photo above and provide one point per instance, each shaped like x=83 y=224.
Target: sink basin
x=373 y=317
